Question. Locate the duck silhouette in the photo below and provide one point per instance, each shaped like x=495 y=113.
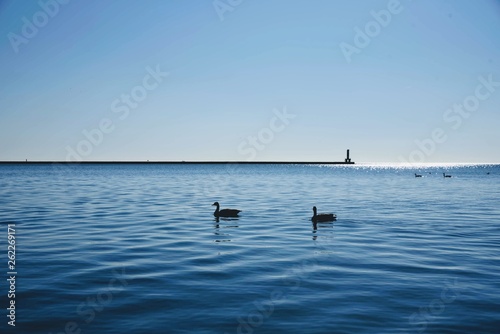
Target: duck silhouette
x=322 y=217
x=418 y=175
x=225 y=212
x=446 y=175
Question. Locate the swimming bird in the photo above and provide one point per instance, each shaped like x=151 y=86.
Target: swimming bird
x=322 y=217
x=225 y=212
x=418 y=175
x=445 y=175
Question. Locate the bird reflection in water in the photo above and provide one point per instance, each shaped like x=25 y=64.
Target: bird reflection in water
x=315 y=226
x=220 y=236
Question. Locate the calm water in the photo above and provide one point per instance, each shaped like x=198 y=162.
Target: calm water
x=135 y=248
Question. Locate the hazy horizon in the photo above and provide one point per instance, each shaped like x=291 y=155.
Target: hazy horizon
x=392 y=81
x=230 y=162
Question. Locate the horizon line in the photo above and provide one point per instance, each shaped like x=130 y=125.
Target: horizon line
x=172 y=162
x=235 y=162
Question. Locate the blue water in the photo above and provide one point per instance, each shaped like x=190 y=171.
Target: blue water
x=136 y=249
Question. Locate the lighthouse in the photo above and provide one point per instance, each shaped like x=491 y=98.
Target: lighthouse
x=348 y=160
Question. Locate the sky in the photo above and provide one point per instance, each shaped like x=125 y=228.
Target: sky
x=240 y=80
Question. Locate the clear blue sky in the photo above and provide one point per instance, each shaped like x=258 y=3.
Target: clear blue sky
x=230 y=67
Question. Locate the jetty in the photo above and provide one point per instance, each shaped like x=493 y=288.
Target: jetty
x=347 y=161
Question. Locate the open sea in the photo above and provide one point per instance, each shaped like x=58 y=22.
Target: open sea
x=135 y=248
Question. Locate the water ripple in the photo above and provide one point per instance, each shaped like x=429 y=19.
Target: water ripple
x=121 y=248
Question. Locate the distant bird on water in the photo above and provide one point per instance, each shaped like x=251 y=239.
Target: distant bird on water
x=418 y=175
x=225 y=212
x=446 y=175
x=322 y=217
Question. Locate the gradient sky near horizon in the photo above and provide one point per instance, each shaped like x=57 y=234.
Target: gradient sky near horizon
x=228 y=77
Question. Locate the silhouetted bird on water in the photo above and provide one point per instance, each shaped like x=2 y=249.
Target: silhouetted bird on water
x=322 y=217
x=444 y=175
x=225 y=212
x=418 y=175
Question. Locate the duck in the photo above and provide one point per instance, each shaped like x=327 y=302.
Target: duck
x=225 y=212
x=322 y=217
x=445 y=175
x=418 y=175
